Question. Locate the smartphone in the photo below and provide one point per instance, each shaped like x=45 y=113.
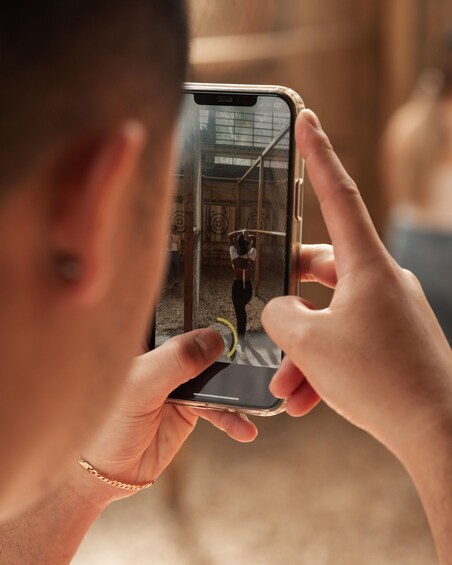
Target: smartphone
x=235 y=237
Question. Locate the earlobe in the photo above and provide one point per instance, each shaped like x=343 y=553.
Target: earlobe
x=91 y=188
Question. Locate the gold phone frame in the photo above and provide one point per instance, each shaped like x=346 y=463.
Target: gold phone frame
x=296 y=172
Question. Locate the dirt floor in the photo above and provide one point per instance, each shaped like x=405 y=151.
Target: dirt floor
x=215 y=301
x=313 y=491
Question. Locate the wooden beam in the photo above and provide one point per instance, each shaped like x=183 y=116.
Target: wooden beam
x=188 y=186
x=259 y=227
x=399 y=34
x=269 y=46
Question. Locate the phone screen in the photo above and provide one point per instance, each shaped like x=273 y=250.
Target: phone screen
x=227 y=246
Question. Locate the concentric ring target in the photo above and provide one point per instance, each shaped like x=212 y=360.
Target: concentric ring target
x=251 y=222
x=178 y=220
x=218 y=223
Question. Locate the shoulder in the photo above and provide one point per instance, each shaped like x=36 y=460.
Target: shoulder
x=233 y=252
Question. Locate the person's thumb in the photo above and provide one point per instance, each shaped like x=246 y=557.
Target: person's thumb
x=157 y=373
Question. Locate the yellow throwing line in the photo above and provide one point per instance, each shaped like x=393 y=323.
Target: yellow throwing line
x=234 y=334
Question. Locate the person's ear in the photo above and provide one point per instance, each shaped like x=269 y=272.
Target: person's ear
x=92 y=181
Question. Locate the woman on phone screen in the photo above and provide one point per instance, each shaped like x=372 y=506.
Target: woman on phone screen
x=243 y=257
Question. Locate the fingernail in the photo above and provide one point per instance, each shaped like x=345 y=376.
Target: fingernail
x=275 y=393
x=211 y=343
x=244 y=417
x=274 y=384
x=311 y=118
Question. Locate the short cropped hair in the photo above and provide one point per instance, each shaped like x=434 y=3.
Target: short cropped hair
x=70 y=64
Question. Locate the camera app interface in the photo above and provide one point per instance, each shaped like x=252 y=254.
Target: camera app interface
x=226 y=246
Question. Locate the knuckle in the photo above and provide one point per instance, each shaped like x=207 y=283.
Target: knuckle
x=346 y=186
x=186 y=354
x=411 y=279
x=324 y=141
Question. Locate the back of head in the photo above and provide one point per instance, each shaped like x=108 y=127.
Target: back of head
x=81 y=81
x=69 y=64
x=242 y=245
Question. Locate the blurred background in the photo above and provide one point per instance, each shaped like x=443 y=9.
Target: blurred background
x=317 y=490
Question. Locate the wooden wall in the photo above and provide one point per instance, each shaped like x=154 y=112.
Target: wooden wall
x=353 y=61
x=225 y=209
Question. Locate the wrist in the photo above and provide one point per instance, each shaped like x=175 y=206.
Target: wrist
x=430 y=449
x=51 y=530
x=419 y=422
x=101 y=489
x=89 y=490
x=429 y=463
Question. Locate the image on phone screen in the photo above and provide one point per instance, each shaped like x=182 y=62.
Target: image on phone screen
x=227 y=245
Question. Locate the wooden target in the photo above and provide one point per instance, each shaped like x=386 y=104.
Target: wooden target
x=178 y=220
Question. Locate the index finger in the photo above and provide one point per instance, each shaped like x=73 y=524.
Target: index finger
x=354 y=237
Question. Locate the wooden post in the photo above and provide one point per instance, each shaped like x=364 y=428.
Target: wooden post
x=259 y=226
x=237 y=207
x=188 y=186
x=400 y=46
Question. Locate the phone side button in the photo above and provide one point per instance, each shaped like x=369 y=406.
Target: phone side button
x=298 y=208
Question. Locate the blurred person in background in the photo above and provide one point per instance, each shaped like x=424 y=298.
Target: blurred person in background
x=416 y=163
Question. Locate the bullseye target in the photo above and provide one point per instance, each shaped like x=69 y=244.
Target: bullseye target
x=178 y=220
x=218 y=223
